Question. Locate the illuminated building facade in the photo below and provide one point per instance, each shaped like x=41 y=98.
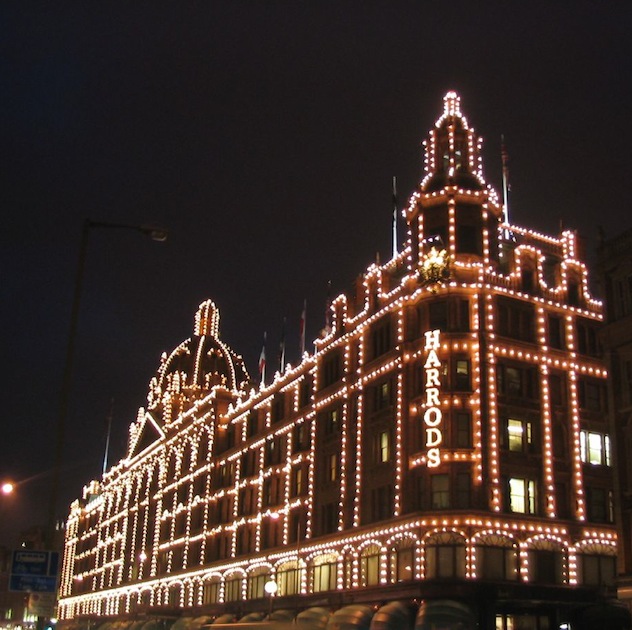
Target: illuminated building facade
x=448 y=439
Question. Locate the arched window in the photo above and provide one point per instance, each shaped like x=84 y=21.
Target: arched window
x=597 y=564
x=288 y=578
x=256 y=582
x=210 y=591
x=445 y=556
x=402 y=561
x=232 y=588
x=324 y=573
x=175 y=592
x=370 y=565
x=496 y=558
x=547 y=562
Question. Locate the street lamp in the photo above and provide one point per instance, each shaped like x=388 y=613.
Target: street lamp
x=7 y=487
x=155 y=234
x=270 y=587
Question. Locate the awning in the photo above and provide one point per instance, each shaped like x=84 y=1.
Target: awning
x=282 y=615
x=353 y=617
x=251 y=617
x=184 y=623
x=227 y=618
x=157 y=624
x=393 y=616
x=446 y=612
x=198 y=622
x=315 y=618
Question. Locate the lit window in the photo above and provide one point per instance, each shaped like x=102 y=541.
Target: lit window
x=522 y=497
x=382 y=447
x=595 y=448
x=440 y=488
x=332 y=467
x=519 y=435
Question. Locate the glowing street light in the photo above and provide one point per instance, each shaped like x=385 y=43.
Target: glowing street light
x=270 y=587
x=7 y=487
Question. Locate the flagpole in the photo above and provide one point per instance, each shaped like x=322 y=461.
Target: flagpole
x=328 y=308
x=282 y=347
x=302 y=327
x=262 y=362
x=505 y=163
x=395 y=246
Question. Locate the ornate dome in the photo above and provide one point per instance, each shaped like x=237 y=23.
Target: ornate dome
x=195 y=367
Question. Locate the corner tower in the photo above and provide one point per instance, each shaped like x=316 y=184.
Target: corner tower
x=454 y=207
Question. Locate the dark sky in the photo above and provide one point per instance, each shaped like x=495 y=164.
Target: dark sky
x=264 y=136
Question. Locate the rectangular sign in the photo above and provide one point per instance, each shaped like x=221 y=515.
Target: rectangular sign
x=34 y=571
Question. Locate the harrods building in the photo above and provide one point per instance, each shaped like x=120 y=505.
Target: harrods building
x=446 y=444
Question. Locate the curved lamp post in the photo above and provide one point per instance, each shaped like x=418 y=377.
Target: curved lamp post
x=270 y=587
x=155 y=234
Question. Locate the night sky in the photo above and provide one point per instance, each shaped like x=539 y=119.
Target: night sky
x=264 y=136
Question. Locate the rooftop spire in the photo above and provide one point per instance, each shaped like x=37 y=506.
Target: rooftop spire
x=452 y=150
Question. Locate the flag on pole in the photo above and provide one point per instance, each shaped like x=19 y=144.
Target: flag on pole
x=302 y=327
x=506 y=186
x=262 y=362
x=282 y=348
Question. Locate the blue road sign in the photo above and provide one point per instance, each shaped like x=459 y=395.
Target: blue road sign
x=34 y=571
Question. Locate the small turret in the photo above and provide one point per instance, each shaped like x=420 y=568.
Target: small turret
x=452 y=151
x=454 y=208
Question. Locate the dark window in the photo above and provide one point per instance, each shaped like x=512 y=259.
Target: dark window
x=299 y=481
x=462 y=380
x=546 y=566
x=517 y=382
x=463 y=490
x=598 y=569
x=248 y=464
x=329 y=518
x=469 y=240
x=304 y=392
x=271 y=486
x=245 y=501
x=382 y=503
x=332 y=369
x=556 y=332
x=224 y=475
x=590 y=395
x=382 y=395
x=463 y=316
x=516 y=320
x=381 y=338
x=528 y=280
x=272 y=453
x=438 y=315
x=573 y=293
x=587 y=340
x=600 y=509
x=463 y=430
x=252 y=423
x=561 y=500
x=556 y=390
x=300 y=437
x=277 y=410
